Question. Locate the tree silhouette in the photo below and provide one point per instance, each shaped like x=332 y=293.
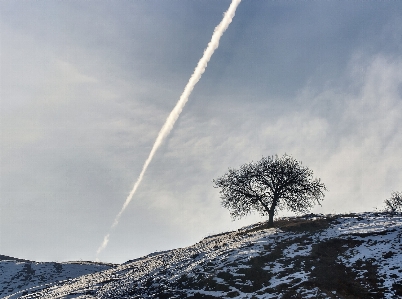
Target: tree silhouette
x=394 y=204
x=267 y=185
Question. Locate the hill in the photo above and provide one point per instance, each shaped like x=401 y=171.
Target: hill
x=314 y=256
x=17 y=275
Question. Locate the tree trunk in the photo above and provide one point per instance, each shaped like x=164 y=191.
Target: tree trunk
x=271 y=211
x=271 y=218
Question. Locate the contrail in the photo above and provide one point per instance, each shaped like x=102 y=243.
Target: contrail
x=170 y=121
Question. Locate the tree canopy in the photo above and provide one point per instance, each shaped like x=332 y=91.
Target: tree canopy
x=269 y=184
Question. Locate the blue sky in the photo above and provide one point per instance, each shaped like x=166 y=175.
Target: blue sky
x=86 y=86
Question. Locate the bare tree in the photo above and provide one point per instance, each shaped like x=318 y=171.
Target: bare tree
x=267 y=185
x=394 y=204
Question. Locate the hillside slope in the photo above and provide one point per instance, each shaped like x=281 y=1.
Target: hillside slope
x=17 y=275
x=316 y=256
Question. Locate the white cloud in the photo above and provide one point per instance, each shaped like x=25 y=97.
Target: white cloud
x=363 y=169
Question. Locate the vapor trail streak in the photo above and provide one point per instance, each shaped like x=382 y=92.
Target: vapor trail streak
x=173 y=116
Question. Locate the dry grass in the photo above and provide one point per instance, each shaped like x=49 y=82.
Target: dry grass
x=296 y=224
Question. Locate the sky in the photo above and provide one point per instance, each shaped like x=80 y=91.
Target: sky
x=86 y=86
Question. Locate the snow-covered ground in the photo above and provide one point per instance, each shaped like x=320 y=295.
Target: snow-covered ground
x=17 y=276
x=315 y=256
